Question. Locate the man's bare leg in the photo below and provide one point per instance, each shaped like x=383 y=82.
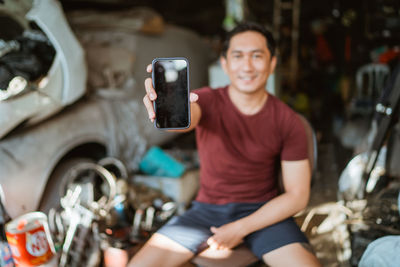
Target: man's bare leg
x=161 y=251
x=295 y=254
x=240 y=256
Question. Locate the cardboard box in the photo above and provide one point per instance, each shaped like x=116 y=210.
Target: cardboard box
x=182 y=190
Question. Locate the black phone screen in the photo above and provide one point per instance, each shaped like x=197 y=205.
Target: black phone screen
x=171 y=83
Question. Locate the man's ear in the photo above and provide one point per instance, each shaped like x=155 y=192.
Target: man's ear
x=274 y=61
x=223 y=62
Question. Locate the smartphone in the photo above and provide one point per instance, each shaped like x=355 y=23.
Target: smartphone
x=171 y=83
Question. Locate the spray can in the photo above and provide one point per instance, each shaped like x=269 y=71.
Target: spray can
x=30 y=240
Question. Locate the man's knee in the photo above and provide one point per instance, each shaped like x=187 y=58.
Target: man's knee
x=161 y=251
x=240 y=256
x=295 y=254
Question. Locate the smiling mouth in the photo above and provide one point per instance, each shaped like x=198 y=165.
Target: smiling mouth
x=247 y=78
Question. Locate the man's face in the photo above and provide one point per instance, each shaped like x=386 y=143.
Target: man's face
x=248 y=62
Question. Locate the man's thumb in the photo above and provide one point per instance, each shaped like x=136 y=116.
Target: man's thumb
x=213 y=229
x=193 y=97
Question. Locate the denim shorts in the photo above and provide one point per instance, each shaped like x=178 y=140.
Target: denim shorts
x=192 y=229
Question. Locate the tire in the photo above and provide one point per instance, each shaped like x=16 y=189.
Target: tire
x=51 y=195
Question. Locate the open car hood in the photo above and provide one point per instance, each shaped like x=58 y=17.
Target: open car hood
x=29 y=95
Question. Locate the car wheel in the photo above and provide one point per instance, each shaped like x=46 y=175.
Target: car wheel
x=52 y=193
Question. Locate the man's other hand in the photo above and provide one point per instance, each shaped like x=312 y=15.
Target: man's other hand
x=226 y=236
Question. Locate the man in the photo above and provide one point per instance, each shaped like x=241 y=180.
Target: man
x=243 y=136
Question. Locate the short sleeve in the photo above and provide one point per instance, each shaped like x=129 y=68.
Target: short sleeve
x=205 y=101
x=294 y=142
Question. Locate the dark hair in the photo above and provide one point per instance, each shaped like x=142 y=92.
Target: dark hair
x=249 y=26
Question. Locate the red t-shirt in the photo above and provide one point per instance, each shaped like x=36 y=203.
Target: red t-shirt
x=240 y=154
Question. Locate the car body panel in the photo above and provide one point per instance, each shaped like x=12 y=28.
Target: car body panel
x=112 y=116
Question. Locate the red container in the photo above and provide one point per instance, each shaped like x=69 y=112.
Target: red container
x=29 y=239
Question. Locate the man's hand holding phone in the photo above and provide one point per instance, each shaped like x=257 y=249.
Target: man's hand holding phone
x=167 y=98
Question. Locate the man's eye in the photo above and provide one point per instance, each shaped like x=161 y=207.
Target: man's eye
x=236 y=56
x=257 y=56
